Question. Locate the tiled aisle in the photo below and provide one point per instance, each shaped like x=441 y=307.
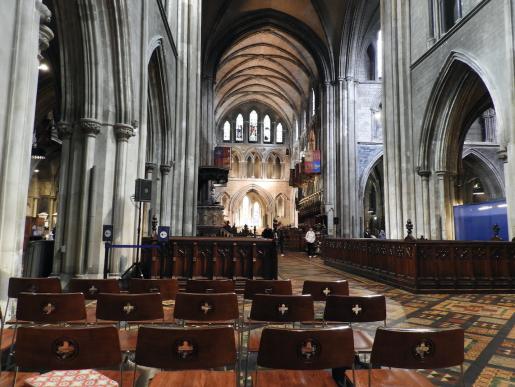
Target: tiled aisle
x=489 y=320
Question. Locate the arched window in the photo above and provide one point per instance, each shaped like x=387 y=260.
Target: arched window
x=280 y=207
x=279 y=133
x=256 y=215
x=235 y=166
x=267 y=132
x=239 y=128
x=277 y=168
x=253 y=132
x=245 y=211
x=450 y=13
x=313 y=102
x=296 y=130
x=227 y=131
x=371 y=62
x=250 y=167
x=379 y=54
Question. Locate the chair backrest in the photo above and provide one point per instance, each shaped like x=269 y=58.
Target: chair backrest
x=306 y=349
x=168 y=288
x=44 y=348
x=319 y=290
x=18 y=285
x=206 y=307
x=210 y=286
x=253 y=287
x=355 y=308
x=129 y=307
x=93 y=287
x=418 y=348
x=280 y=308
x=185 y=348
x=50 y=308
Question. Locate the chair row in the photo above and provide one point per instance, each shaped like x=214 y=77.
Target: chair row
x=170 y=287
x=292 y=351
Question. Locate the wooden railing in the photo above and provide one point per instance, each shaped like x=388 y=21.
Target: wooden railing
x=212 y=258
x=427 y=266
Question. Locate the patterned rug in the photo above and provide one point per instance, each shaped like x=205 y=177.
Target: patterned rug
x=488 y=319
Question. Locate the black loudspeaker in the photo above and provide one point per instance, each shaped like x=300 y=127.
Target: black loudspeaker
x=143 y=191
x=163 y=233
x=107 y=233
x=336 y=220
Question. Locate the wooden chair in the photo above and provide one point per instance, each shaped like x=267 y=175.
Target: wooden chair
x=187 y=349
x=18 y=285
x=50 y=348
x=93 y=287
x=50 y=308
x=411 y=349
x=130 y=308
x=206 y=307
x=356 y=309
x=167 y=288
x=253 y=287
x=278 y=309
x=210 y=286
x=319 y=290
x=301 y=357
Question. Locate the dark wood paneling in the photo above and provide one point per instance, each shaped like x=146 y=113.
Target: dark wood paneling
x=212 y=258
x=427 y=266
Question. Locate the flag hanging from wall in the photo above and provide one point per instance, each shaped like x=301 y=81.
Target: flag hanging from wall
x=312 y=162
x=223 y=157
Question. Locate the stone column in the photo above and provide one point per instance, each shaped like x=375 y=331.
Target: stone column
x=65 y=133
x=444 y=200
x=122 y=133
x=166 y=195
x=329 y=152
x=21 y=37
x=90 y=128
x=424 y=175
x=146 y=228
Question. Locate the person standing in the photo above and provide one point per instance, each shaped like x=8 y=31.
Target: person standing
x=310 y=241
x=281 y=240
x=267 y=233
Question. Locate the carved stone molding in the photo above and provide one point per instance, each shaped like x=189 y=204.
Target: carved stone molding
x=45 y=36
x=64 y=129
x=423 y=173
x=150 y=167
x=165 y=169
x=89 y=126
x=123 y=132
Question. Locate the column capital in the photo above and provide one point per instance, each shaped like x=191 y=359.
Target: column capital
x=64 y=129
x=423 y=172
x=150 y=167
x=90 y=127
x=123 y=132
x=165 y=169
x=502 y=154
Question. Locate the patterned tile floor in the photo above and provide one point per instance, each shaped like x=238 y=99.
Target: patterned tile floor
x=488 y=319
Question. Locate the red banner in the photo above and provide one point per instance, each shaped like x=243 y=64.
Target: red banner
x=223 y=157
x=312 y=162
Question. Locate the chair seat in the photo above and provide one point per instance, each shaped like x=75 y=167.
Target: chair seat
x=7 y=337
x=6 y=379
x=194 y=378
x=389 y=378
x=274 y=378
x=362 y=341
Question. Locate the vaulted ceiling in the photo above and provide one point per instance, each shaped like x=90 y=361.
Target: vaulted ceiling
x=274 y=51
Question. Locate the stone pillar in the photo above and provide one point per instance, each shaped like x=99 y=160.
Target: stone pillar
x=90 y=128
x=506 y=154
x=424 y=175
x=166 y=195
x=148 y=211
x=122 y=133
x=21 y=42
x=65 y=133
x=329 y=153
x=444 y=200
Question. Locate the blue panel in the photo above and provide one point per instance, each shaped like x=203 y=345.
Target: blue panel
x=474 y=222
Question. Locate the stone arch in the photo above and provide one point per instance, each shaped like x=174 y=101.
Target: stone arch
x=371 y=196
x=482 y=168
x=462 y=90
x=237 y=198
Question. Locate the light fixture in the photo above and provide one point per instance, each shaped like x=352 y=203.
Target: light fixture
x=484 y=208
x=477 y=189
x=502 y=205
x=36 y=170
x=43 y=67
x=377 y=115
x=38 y=153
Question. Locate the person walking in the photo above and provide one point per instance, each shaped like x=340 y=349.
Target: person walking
x=310 y=241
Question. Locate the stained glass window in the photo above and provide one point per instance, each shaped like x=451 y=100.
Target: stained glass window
x=253 y=131
x=239 y=128
x=227 y=131
x=267 y=132
x=279 y=134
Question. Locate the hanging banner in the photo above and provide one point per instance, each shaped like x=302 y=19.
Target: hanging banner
x=312 y=162
x=223 y=157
